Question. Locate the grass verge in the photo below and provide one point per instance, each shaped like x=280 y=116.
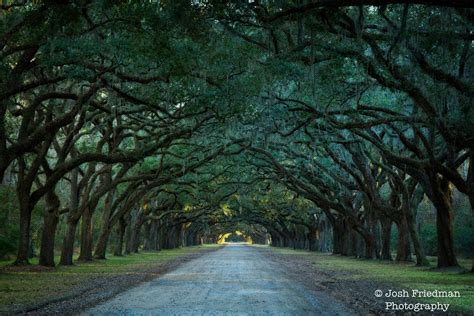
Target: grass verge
x=400 y=275
x=32 y=285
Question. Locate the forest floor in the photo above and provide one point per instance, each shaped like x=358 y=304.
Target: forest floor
x=67 y=290
x=354 y=281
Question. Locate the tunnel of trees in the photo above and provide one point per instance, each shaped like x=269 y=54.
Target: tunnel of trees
x=336 y=126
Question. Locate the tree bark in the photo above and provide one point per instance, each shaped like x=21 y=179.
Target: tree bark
x=135 y=237
x=370 y=246
x=101 y=246
x=67 y=251
x=386 y=224
x=120 y=235
x=417 y=247
x=410 y=214
x=50 y=218
x=86 y=236
x=403 y=245
x=128 y=239
x=444 y=224
x=444 y=228
x=312 y=239
x=147 y=232
x=470 y=185
x=25 y=223
x=336 y=239
x=154 y=235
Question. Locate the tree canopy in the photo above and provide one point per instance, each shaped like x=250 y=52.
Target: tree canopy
x=311 y=124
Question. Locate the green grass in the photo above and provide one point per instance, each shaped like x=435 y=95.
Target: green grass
x=403 y=275
x=20 y=288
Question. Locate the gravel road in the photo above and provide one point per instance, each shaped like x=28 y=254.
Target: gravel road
x=235 y=280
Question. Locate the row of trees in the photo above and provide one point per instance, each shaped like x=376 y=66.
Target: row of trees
x=371 y=111
x=98 y=107
x=320 y=124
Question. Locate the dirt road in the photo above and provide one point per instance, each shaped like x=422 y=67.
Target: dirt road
x=235 y=280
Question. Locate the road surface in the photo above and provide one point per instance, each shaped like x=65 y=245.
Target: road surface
x=235 y=280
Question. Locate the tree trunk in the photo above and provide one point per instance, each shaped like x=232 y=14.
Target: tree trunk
x=25 y=223
x=470 y=185
x=312 y=239
x=325 y=243
x=154 y=245
x=345 y=241
x=67 y=251
x=281 y=240
x=370 y=246
x=128 y=239
x=336 y=239
x=147 y=232
x=135 y=238
x=386 y=253
x=101 y=246
x=444 y=224
x=417 y=247
x=120 y=235
x=368 y=238
x=86 y=236
x=403 y=245
x=182 y=236
x=444 y=228
x=50 y=218
x=374 y=231
x=353 y=244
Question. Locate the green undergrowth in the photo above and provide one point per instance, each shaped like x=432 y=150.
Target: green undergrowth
x=401 y=275
x=30 y=285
